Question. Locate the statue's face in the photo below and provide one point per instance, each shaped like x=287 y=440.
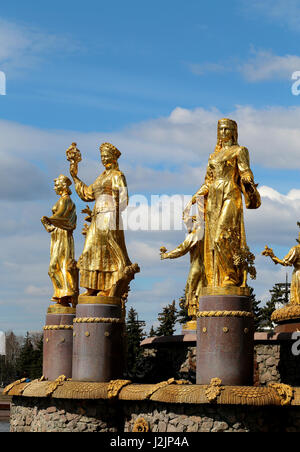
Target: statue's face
x=57 y=186
x=225 y=133
x=106 y=157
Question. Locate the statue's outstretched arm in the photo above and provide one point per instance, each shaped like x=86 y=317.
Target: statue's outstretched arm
x=181 y=249
x=287 y=261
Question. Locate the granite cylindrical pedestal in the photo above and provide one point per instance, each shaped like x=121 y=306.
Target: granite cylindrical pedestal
x=98 y=352
x=225 y=340
x=58 y=344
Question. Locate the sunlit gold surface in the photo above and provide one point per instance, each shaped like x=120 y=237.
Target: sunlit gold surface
x=170 y=391
x=100 y=299
x=59 y=309
x=220 y=257
x=291 y=259
x=228 y=290
x=193 y=244
x=62 y=269
x=190 y=326
x=292 y=310
x=105 y=268
x=227 y=259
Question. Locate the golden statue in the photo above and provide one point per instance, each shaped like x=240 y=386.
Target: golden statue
x=62 y=269
x=227 y=259
x=194 y=244
x=105 y=268
x=292 y=309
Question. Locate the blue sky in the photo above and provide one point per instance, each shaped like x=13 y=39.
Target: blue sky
x=110 y=64
x=153 y=78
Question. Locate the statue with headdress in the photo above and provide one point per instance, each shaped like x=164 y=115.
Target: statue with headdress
x=104 y=265
x=227 y=258
x=62 y=269
x=291 y=311
x=194 y=245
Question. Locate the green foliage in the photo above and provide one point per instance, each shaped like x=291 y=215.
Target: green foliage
x=257 y=310
x=279 y=296
x=152 y=332
x=167 y=320
x=134 y=336
x=183 y=315
x=37 y=364
x=30 y=360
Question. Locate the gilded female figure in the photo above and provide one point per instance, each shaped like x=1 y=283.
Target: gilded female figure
x=105 y=268
x=193 y=244
x=60 y=225
x=226 y=255
x=291 y=259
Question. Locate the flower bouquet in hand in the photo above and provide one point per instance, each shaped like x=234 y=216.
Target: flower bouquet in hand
x=74 y=157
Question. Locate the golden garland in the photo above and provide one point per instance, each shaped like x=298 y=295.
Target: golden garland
x=285 y=392
x=288 y=312
x=169 y=391
x=57 y=327
x=12 y=385
x=213 y=389
x=115 y=386
x=225 y=314
x=54 y=384
x=97 y=320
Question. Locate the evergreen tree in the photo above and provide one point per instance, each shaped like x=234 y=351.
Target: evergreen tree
x=278 y=299
x=152 y=332
x=167 y=320
x=183 y=315
x=257 y=310
x=134 y=336
x=37 y=364
x=26 y=359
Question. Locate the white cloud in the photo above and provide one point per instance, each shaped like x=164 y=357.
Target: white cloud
x=264 y=65
x=204 y=68
x=23 y=46
x=168 y=154
x=285 y=12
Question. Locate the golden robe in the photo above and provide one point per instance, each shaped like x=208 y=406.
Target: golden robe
x=104 y=256
x=227 y=177
x=293 y=258
x=62 y=268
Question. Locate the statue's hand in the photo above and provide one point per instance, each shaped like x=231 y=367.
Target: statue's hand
x=268 y=252
x=163 y=253
x=47 y=225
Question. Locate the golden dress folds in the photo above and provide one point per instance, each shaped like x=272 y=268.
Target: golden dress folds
x=104 y=256
x=62 y=268
x=228 y=176
x=293 y=258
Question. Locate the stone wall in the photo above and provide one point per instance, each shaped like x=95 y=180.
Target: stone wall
x=31 y=414
x=273 y=360
x=58 y=415
x=266 y=360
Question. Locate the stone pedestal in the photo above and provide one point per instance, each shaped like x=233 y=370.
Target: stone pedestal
x=225 y=340
x=58 y=342
x=98 y=350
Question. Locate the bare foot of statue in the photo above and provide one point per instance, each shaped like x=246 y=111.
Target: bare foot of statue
x=228 y=282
